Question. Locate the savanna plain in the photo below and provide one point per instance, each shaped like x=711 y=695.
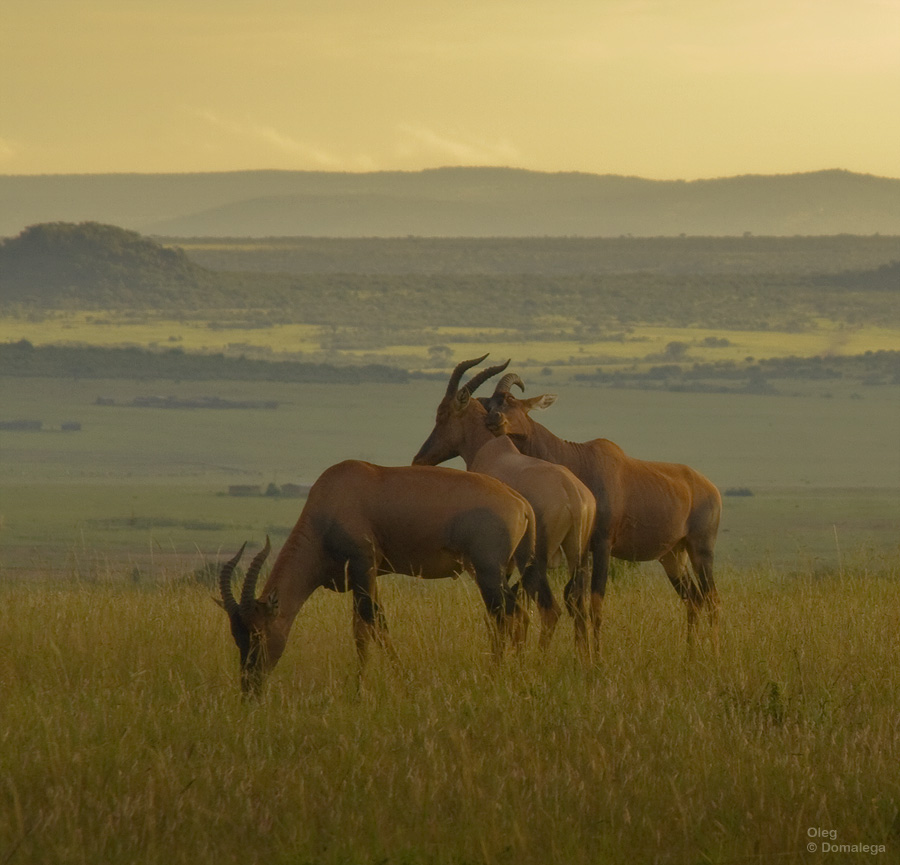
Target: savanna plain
x=123 y=736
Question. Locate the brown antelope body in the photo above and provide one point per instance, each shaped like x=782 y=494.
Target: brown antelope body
x=361 y=520
x=645 y=510
x=563 y=506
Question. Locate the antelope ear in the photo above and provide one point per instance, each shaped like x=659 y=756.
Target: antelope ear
x=461 y=399
x=540 y=402
x=271 y=604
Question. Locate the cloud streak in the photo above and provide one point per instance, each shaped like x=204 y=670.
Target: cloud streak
x=273 y=139
x=417 y=139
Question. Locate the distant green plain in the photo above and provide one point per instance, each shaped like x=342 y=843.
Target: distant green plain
x=141 y=487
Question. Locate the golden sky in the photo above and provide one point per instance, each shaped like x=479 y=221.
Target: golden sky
x=655 y=88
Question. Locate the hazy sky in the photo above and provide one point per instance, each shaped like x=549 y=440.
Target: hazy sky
x=657 y=88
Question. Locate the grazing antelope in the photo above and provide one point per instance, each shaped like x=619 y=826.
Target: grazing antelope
x=645 y=510
x=563 y=506
x=361 y=520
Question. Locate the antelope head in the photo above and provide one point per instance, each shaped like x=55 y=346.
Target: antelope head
x=507 y=414
x=259 y=643
x=448 y=434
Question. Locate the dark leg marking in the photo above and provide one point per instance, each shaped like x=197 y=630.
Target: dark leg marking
x=676 y=567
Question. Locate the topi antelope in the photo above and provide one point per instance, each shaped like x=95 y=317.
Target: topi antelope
x=564 y=507
x=645 y=510
x=361 y=520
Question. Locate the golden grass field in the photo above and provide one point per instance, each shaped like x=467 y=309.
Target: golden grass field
x=124 y=738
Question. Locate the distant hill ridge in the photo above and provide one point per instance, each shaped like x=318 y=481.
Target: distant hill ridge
x=455 y=202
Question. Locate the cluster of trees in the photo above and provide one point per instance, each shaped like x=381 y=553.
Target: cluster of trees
x=869 y=369
x=883 y=278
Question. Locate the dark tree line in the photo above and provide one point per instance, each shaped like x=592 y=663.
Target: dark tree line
x=24 y=359
x=757 y=376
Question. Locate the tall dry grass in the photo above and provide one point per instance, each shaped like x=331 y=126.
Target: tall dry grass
x=124 y=738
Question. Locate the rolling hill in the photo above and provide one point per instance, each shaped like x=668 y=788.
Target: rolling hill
x=60 y=263
x=455 y=202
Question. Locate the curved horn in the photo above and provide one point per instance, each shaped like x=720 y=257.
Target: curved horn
x=228 y=601
x=248 y=592
x=507 y=382
x=480 y=378
x=457 y=374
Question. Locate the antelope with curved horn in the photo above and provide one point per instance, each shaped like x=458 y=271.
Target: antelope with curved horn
x=361 y=520
x=563 y=506
x=645 y=510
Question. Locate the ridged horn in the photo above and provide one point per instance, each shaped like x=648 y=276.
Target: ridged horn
x=507 y=382
x=228 y=601
x=457 y=374
x=480 y=378
x=248 y=592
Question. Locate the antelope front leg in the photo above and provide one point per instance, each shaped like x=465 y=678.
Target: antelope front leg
x=366 y=612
